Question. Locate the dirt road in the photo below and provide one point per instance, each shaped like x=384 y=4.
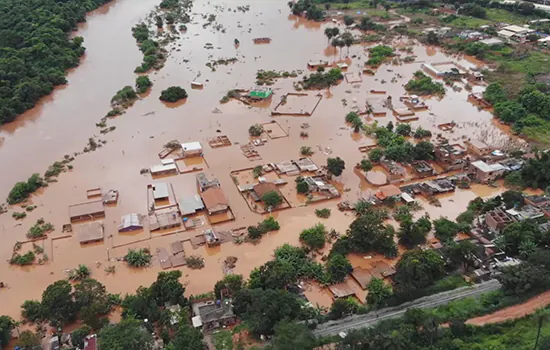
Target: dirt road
x=512 y=312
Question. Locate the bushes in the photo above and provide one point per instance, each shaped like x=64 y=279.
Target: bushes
x=143 y=84
x=322 y=213
x=322 y=80
x=424 y=85
x=272 y=199
x=22 y=190
x=268 y=225
x=301 y=185
x=22 y=260
x=138 y=257
x=378 y=54
x=255 y=130
x=124 y=97
x=39 y=229
x=314 y=237
x=173 y=94
x=306 y=151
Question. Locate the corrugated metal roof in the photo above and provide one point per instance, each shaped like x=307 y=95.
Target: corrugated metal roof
x=160 y=190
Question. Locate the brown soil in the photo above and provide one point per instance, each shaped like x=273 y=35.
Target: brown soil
x=513 y=312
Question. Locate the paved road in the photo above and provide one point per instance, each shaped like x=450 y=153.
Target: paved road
x=370 y=319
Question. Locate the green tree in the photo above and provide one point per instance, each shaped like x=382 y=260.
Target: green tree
x=338 y=267
x=368 y=233
x=128 y=334
x=342 y=307
x=272 y=199
x=275 y=274
x=348 y=20
x=418 y=269
x=336 y=166
x=143 y=84
x=516 y=234
x=494 y=93
x=32 y=311
x=461 y=254
x=58 y=304
x=7 y=324
x=365 y=165
x=314 y=237
x=28 y=340
x=79 y=335
x=167 y=289
x=523 y=279
x=432 y=38
x=445 y=229
x=378 y=292
x=173 y=94
x=263 y=309
x=141 y=305
x=424 y=150
x=376 y=154
x=403 y=129
x=292 y=336
x=92 y=300
x=231 y=283
x=188 y=338
x=302 y=186
x=413 y=233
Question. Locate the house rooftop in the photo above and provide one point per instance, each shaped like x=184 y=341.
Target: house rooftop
x=130 y=220
x=487 y=168
x=388 y=191
x=190 y=204
x=213 y=310
x=90 y=232
x=213 y=197
x=341 y=290
x=191 y=146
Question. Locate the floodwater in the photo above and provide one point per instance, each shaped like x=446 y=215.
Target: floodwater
x=63 y=121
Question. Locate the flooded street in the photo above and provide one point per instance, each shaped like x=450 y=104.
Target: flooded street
x=62 y=123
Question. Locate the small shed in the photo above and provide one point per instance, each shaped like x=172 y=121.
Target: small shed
x=86 y=211
x=90 y=232
x=130 y=222
x=260 y=93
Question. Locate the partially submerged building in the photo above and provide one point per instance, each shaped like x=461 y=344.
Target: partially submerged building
x=211 y=238
x=90 y=232
x=164 y=219
x=167 y=168
x=86 y=211
x=214 y=201
x=203 y=183
x=477 y=147
x=341 y=290
x=423 y=168
x=261 y=189
x=451 y=157
x=388 y=192
x=191 y=204
x=260 y=93
x=191 y=149
x=318 y=184
x=484 y=172
x=130 y=222
x=497 y=219
x=160 y=191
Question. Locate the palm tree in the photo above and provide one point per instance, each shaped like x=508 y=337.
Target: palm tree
x=328 y=33
x=341 y=45
x=347 y=38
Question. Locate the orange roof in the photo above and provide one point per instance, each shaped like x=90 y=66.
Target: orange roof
x=388 y=191
x=213 y=197
x=266 y=187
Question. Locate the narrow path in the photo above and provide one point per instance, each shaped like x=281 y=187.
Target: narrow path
x=515 y=311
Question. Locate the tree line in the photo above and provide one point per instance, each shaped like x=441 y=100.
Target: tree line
x=36 y=49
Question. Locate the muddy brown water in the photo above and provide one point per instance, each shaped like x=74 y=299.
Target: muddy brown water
x=62 y=122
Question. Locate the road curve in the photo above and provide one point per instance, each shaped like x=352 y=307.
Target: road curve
x=370 y=319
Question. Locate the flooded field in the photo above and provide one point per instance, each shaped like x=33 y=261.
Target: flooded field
x=62 y=123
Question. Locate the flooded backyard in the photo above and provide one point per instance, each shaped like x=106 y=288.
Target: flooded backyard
x=62 y=123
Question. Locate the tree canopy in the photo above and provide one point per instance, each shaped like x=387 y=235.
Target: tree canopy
x=128 y=334
x=336 y=166
x=173 y=94
x=418 y=269
x=314 y=237
x=263 y=309
x=37 y=50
